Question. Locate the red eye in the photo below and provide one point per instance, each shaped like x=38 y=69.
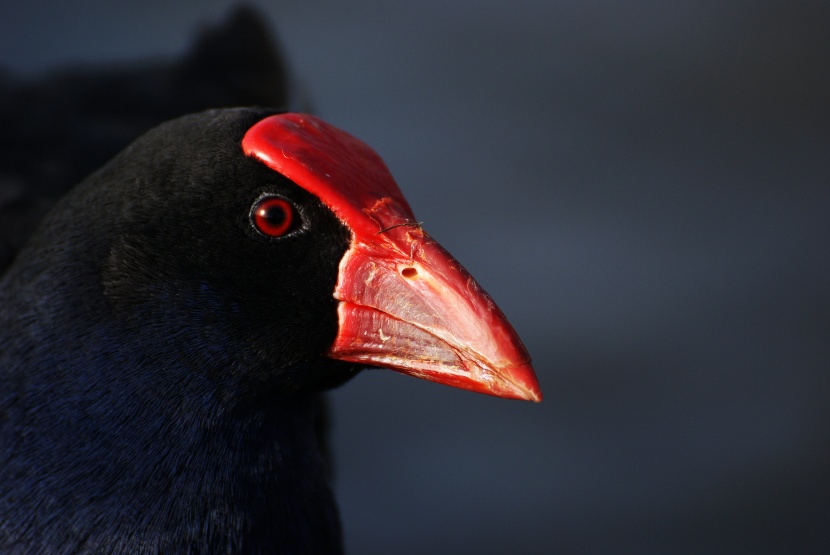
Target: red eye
x=273 y=216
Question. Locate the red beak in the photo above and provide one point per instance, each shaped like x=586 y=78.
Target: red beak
x=416 y=310
x=405 y=303
x=425 y=316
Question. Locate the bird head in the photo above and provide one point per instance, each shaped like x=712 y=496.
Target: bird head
x=276 y=247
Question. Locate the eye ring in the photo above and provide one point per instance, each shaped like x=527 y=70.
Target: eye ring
x=273 y=216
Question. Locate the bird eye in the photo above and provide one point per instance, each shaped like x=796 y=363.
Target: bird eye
x=274 y=216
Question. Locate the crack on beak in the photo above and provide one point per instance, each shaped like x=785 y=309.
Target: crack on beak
x=417 y=225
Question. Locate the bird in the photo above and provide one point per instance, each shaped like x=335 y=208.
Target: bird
x=168 y=330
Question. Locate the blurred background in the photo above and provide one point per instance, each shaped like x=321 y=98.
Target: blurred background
x=643 y=187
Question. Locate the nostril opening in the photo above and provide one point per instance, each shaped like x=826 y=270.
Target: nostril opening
x=409 y=272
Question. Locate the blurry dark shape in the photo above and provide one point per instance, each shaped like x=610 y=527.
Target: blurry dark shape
x=63 y=125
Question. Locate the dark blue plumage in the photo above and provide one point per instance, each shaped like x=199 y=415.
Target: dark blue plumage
x=160 y=360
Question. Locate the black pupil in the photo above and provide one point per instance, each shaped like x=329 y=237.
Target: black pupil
x=275 y=215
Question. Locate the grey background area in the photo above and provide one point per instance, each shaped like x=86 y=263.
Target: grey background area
x=643 y=187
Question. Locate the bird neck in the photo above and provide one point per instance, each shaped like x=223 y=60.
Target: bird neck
x=114 y=465
x=164 y=444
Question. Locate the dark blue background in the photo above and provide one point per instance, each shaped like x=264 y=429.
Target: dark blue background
x=644 y=188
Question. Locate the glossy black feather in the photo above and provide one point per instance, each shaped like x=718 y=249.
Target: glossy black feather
x=160 y=361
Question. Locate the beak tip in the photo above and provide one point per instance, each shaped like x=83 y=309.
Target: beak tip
x=509 y=382
x=524 y=379
x=534 y=395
